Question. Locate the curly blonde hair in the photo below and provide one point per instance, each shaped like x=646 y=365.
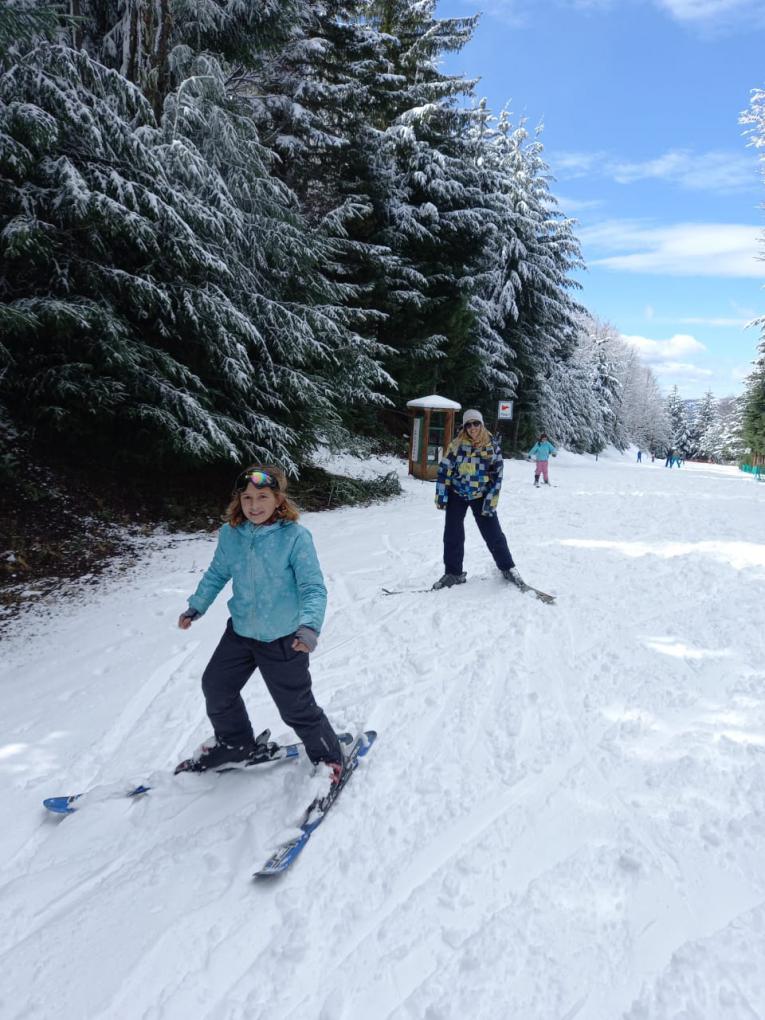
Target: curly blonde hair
x=285 y=510
x=482 y=439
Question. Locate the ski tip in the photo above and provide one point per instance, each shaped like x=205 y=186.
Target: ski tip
x=60 y=805
x=269 y=872
x=364 y=737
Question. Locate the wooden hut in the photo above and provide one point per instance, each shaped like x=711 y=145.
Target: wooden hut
x=431 y=431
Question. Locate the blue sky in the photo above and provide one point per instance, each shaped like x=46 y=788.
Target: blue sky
x=640 y=101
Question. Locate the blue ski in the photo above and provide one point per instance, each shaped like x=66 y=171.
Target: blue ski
x=68 y=805
x=285 y=855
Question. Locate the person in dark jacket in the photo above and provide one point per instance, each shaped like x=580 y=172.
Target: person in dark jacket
x=470 y=477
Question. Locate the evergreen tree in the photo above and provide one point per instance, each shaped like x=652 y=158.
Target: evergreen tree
x=705 y=425
x=531 y=251
x=679 y=428
x=132 y=289
x=753 y=423
x=22 y=26
x=730 y=446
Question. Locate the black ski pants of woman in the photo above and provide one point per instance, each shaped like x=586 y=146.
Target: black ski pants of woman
x=288 y=680
x=454 y=534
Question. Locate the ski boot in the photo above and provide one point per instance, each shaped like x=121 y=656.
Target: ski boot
x=449 y=580
x=214 y=754
x=515 y=578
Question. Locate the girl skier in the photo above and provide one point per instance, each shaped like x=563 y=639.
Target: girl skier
x=470 y=475
x=541 y=452
x=277 y=610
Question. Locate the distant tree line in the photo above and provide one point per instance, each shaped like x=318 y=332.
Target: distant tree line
x=708 y=429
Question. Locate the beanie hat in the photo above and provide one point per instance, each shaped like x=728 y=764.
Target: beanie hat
x=472 y=415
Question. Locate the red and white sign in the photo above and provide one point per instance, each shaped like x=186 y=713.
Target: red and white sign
x=505 y=409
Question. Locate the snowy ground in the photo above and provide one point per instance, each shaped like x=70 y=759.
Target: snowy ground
x=563 y=817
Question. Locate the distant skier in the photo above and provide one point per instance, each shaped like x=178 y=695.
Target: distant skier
x=277 y=611
x=470 y=476
x=541 y=451
x=670 y=458
x=640 y=457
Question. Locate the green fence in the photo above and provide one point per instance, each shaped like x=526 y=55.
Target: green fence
x=756 y=470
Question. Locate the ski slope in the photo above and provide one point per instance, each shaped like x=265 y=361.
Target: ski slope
x=563 y=816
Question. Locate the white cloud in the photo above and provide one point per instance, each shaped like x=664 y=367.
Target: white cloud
x=705 y=14
x=744 y=312
x=682 y=370
x=740 y=372
x=568 y=205
x=708 y=11
x=720 y=321
x=657 y=351
x=717 y=170
x=683 y=249
x=665 y=356
x=578 y=164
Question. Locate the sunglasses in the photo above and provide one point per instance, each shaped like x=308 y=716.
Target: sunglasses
x=472 y=424
x=260 y=479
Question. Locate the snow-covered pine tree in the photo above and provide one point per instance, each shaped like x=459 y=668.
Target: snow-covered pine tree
x=568 y=408
x=306 y=318
x=730 y=445
x=360 y=115
x=681 y=439
x=132 y=290
x=142 y=39
x=753 y=423
x=425 y=198
x=645 y=416
x=20 y=26
x=705 y=424
x=530 y=254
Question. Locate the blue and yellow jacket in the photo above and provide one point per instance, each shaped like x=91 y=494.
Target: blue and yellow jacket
x=276 y=578
x=471 y=472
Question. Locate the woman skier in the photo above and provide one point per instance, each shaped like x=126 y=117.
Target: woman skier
x=470 y=476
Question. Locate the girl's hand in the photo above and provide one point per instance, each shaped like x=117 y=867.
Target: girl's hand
x=184 y=622
x=305 y=639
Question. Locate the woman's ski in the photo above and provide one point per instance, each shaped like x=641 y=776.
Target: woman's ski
x=543 y=596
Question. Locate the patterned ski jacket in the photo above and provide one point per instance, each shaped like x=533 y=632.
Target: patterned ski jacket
x=276 y=578
x=542 y=451
x=471 y=472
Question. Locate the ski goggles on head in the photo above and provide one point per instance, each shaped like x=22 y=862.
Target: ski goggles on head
x=260 y=479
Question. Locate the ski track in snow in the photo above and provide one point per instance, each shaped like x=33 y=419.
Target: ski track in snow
x=563 y=817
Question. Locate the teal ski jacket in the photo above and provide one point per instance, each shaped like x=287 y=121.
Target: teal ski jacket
x=542 y=451
x=276 y=578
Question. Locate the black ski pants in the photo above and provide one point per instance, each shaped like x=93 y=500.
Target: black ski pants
x=454 y=534
x=288 y=680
